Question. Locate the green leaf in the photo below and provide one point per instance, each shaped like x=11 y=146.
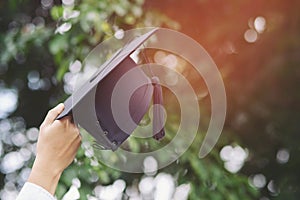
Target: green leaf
x=56 y=12
x=58 y=43
x=61 y=190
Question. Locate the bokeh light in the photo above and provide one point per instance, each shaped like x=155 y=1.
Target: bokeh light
x=8 y=101
x=150 y=165
x=250 y=36
x=233 y=157
x=282 y=156
x=258 y=181
x=11 y=162
x=260 y=24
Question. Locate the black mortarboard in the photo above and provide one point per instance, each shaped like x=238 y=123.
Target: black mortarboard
x=91 y=103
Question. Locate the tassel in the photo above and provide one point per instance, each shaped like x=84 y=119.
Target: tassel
x=158 y=113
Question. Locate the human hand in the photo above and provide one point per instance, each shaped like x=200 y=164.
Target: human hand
x=57 y=145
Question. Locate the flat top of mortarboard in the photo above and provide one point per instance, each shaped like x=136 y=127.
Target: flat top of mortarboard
x=104 y=70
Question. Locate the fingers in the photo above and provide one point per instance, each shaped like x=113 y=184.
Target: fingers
x=53 y=113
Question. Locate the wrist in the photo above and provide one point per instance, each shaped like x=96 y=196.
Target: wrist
x=44 y=176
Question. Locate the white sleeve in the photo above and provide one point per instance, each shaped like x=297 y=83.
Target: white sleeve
x=32 y=191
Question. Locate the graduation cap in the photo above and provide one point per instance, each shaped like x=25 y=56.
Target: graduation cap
x=91 y=103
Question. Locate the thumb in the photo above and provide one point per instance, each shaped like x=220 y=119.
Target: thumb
x=53 y=113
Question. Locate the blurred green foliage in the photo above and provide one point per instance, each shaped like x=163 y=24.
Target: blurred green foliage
x=44 y=38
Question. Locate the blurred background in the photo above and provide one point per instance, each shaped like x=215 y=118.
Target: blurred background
x=256 y=46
